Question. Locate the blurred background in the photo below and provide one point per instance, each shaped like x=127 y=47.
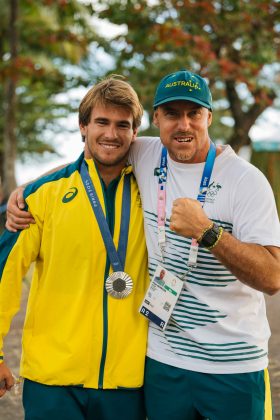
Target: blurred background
x=52 y=51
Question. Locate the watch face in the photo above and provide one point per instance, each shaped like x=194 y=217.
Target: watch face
x=210 y=236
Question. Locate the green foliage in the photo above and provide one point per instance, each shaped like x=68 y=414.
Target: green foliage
x=53 y=41
x=230 y=42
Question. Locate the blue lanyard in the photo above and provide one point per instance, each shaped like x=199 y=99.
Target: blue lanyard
x=208 y=167
x=117 y=258
x=163 y=168
x=204 y=183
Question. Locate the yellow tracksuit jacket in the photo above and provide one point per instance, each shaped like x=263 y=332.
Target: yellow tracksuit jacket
x=74 y=333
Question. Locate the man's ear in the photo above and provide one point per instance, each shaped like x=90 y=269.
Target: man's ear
x=155 y=118
x=83 y=129
x=210 y=118
x=134 y=135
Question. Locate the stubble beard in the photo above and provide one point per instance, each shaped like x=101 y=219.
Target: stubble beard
x=181 y=156
x=110 y=162
x=184 y=157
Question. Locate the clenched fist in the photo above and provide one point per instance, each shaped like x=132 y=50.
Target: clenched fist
x=188 y=218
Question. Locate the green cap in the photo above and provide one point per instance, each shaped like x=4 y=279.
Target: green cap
x=183 y=86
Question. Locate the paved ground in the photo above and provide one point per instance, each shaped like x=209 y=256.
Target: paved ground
x=10 y=404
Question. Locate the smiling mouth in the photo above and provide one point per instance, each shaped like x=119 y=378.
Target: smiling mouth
x=186 y=139
x=109 y=145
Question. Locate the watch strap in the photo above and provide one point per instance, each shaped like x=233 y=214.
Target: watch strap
x=210 y=236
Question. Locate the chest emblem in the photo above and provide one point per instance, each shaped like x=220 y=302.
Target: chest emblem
x=70 y=195
x=212 y=192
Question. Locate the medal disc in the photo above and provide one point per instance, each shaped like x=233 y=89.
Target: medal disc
x=119 y=285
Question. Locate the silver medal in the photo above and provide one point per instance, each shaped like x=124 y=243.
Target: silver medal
x=119 y=285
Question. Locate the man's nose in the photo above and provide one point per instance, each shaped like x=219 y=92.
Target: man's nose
x=111 y=132
x=183 y=123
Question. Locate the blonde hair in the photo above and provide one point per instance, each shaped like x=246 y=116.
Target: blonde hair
x=111 y=91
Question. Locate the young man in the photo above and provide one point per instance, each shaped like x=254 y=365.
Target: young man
x=84 y=340
x=210 y=361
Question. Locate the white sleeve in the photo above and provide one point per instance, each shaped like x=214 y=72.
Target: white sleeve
x=137 y=148
x=142 y=152
x=255 y=218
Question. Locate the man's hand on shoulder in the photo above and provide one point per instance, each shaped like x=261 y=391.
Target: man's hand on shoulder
x=17 y=218
x=6 y=379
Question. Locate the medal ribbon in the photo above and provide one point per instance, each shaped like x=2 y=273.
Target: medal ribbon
x=204 y=183
x=117 y=258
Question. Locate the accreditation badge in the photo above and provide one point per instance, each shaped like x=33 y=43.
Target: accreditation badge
x=119 y=285
x=161 y=297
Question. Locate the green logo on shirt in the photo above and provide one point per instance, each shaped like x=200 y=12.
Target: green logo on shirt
x=212 y=192
x=70 y=195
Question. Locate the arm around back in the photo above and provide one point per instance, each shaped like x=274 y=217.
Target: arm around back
x=17 y=216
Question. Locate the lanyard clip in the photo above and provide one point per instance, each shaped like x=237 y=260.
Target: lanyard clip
x=193 y=254
x=161 y=236
x=161 y=240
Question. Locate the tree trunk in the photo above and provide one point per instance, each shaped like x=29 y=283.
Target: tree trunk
x=244 y=121
x=9 y=135
x=239 y=138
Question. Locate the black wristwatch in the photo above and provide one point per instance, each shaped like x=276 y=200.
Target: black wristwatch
x=210 y=237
